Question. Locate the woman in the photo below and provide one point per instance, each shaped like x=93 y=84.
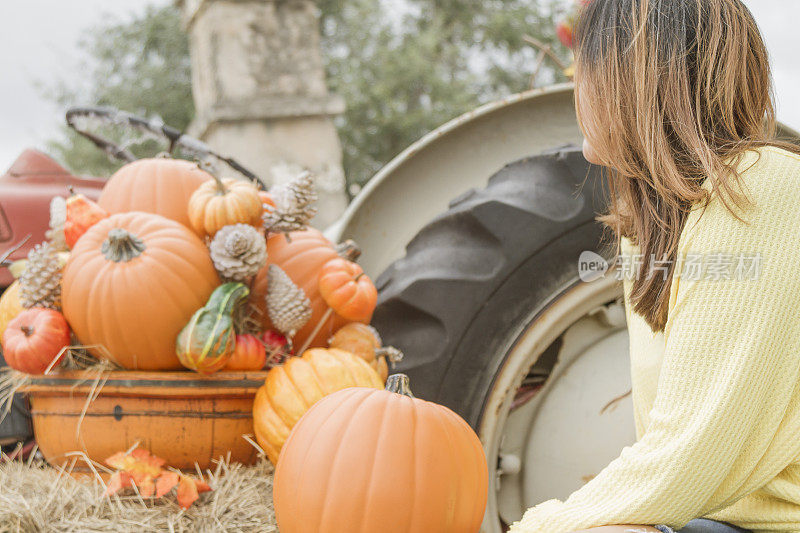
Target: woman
x=674 y=98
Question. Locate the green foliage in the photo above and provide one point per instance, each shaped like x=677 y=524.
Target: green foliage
x=403 y=67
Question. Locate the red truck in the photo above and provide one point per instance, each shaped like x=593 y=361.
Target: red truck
x=25 y=193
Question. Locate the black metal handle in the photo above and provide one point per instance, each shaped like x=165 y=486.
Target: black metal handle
x=174 y=137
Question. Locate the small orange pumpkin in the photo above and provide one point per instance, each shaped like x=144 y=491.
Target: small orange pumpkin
x=82 y=214
x=420 y=465
x=222 y=202
x=159 y=185
x=347 y=290
x=34 y=338
x=301 y=257
x=132 y=283
x=249 y=354
x=289 y=390
x=363 y=341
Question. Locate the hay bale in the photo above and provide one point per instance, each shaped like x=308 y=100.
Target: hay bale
x=37 y=497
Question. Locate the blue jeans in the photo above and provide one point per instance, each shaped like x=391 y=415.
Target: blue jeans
x=703 y=525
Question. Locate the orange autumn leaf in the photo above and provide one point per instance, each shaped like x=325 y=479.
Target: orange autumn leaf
x=165 y=483
x=146 y=472
x=202 y=486
x=187 y=492
x=118 y=481
x=139 y=463
x=147 y=487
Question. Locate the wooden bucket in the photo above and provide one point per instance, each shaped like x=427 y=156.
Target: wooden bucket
x=179 y=416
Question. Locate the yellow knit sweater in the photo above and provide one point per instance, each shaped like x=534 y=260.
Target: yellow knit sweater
x=717 y=395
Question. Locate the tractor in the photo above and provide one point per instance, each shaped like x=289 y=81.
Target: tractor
x=474 y=236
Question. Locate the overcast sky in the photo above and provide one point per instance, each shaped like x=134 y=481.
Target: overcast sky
x=39 y=40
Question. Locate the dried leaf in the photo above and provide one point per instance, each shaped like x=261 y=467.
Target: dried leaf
x=187 y=492
x=165 y=483
x=140 y=454
x=144 y=470
x=147 y=487
x=142 y=466
x=117 y=482
x=202 y=486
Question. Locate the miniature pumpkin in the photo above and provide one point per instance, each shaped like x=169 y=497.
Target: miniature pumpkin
x=363 y=341
x=301 y=257
x=366 y=460
x=290 y=390
x=347 y=290
x=82 y=214
x=10 y=306
x=159 y=185
x=249 y=354
x=223 y=202
x=209 y=339
x=34 y=339
x=132 y=283
x=277 y=346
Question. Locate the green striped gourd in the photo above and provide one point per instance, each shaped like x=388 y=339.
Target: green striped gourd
x=207 y=342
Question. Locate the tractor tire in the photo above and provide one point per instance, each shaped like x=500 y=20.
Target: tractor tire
x=473 y=278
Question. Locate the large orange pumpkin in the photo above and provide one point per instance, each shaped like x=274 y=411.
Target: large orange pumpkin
x=132 y=283
x=302 y=258
x=160 y=185
x=366 y=460
x=289 y=390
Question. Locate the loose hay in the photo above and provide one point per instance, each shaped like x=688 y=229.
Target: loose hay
x=37 y=497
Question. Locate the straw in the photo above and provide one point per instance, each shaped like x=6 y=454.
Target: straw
x=36 y=497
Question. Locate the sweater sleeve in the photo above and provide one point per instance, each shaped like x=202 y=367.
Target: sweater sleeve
x=725 y=420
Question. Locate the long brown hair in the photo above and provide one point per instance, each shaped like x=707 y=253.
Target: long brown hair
x=670 y=93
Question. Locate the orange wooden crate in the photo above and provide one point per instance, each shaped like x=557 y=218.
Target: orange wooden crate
x=179 y=416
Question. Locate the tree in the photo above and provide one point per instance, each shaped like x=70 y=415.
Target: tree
x=140 y=65
x=405 y=72
x=403 y=67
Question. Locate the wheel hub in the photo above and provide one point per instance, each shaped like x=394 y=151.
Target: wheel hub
x=566 y=411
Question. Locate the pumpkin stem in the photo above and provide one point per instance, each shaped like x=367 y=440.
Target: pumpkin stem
x=207 y=168
x=27 y=330
x=220 y=187
x=391 y=353
x=122 y=246
x=399 y=384
x=348 y=250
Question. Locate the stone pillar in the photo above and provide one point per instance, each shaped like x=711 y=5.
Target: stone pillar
x=260 y=93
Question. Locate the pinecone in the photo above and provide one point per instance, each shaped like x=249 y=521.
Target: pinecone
x=238 y=251
x=287 y=305
x=40 y=284
x=294 y=205
x=58 y=217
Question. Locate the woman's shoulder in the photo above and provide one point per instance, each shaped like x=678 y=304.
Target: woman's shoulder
x=780 y=153
x=770 y=169
x=767 y=208
x=768 y=177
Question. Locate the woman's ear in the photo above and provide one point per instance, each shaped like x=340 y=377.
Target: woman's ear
x=590 y=154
